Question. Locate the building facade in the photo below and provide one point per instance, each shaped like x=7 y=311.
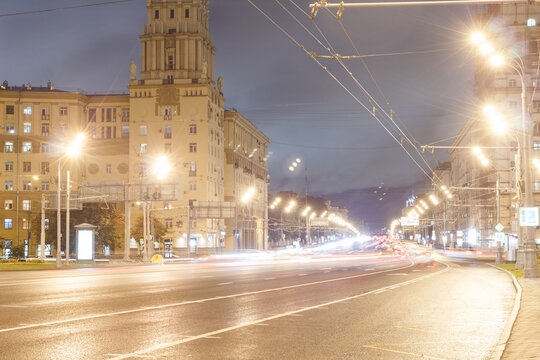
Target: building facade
x=173 y=114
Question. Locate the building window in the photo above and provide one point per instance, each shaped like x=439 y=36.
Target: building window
x=531 y=22
x=45 y=186
x=536 y=146
x=192 y=147
x=114 y=115
x=168 y=223
x=125 y=131
x=167 y=113
x=193 y=168
x=167 y=132
x=8 y=147
x=168 y=148
x=27 y=128
x=109 y=133
x=45 y=113
x=192 y=185
x=156 y=14
x=102 y=114
x=512 y=83
x=109 y=114
x=92 y=115
x=26 y=205
x=142 y=169
x=27 y=185
x=10 y=128
x=192 y=129
x=143 y=130
x=171 y=62
x=144 y=148
x=8 y=224
x=25 y=227
x=92 y=131
x=125 y=115
x=170 y=80
x=44 y=168
x=45 y=148
x=63 y=110
x=536 y=185
x=186 y=13
x=108 y=169
x=27 y=166
x=9 y=166
x=27 y=110
x=8 y=185
x=103 y=132
x=8 y=205
x=171 y=14
x=45 y=129
x=10 y=109
x=27 y=147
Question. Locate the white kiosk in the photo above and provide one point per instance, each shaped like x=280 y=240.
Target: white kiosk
x=86 y=239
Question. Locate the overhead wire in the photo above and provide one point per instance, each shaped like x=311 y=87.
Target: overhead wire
x=65 y=8
x=339 y=82
x=370 y=99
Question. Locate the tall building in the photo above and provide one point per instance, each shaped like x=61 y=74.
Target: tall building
x=173 y=117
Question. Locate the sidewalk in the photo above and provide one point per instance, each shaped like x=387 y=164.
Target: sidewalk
x=524 y=342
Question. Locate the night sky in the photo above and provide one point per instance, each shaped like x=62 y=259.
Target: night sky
x=284 y=92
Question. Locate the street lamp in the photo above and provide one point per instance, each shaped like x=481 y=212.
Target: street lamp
x=72 y=150
x=516 y=63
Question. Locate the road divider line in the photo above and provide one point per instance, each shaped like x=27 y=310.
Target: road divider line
x=265 y=320
x=188 y=302
x=225 y=283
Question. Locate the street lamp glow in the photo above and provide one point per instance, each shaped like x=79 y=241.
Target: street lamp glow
x=434 y=199
x=476 y=150
x=162 y=167
x=291 y=168
x=496 y=60
x=248 y=195
x=477 y=37
x=486 y=49
x=306 y=210
x=74 y=147
x=294 y=164
x=485 y=162
x=298 y=160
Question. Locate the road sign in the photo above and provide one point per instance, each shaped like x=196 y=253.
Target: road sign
x=528 y=216
x=499 y=236
x=410 y=221
x=499 y=227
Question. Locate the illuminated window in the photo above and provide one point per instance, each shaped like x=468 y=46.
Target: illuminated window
x=46 y=228
x=108 y=169
x=27 y=147
x=26 y=205
x=27 y=185
x=10 y=128
x=27 y=110
x=193 y=168
x=8 y=205
x=8 y=224
x=125 y=131
x=45 y=113
x=144 y=148
x=25 y=225
x=143 y=130
x=9 y=166
x=8 y=147
x=168 y=148
x=531 y=22
x=8 y=185
x=27 y=128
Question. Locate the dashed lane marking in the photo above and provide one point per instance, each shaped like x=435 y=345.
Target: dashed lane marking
x=273 y=317
x=424 y=356
x=225 y=283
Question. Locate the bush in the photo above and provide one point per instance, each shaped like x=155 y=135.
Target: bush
x=36 y=261
x=17 y=252
x=5 y=261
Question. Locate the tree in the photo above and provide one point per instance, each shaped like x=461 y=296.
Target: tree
x=159 y=229
x=109 y=222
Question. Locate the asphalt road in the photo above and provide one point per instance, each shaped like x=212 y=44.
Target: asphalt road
x=334 y=307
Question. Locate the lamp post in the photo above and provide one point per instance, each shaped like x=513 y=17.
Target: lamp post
x=292 y=168
x=516 y=63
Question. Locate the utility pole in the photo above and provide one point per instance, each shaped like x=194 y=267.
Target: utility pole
x=68 y=192
x=145 y=237
x=58 y=222
x=42 y=232
x=127 y=222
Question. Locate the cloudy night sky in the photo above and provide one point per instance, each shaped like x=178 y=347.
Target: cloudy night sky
x=283 y=91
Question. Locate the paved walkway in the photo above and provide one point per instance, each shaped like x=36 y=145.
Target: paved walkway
x=524 y=342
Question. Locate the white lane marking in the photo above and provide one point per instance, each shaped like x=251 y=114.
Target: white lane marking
x=370 y=269
x=262 y=324
x=160 y=307
x=297 y=315
x=13 y=306
x=260 y=321
x=415 y=270
x=225 y=283
x=398 y=274
x=302 y=274
x=270 y=278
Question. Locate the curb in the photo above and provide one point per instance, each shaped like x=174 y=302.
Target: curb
x=503 y=339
